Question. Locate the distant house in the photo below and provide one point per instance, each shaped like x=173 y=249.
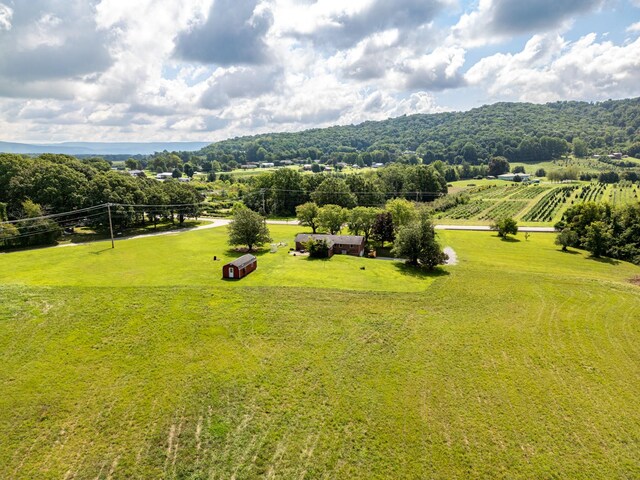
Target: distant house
x=377 y=165
x=248 y=166
x=137 y=173
x=164 y=176
x=509 y=177
x=338 y=244
x=240 y=267
x=267 y=165
x=306 y=166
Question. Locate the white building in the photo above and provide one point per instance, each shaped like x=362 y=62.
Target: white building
x=509 y=177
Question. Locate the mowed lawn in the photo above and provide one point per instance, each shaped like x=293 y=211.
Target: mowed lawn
x=519 y=362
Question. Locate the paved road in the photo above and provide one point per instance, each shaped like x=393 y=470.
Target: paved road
x=478 y=228
x=485 y=228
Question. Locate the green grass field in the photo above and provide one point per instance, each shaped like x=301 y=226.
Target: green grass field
x=141 y=362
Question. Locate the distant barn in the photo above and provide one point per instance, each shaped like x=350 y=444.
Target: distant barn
x=240 y=267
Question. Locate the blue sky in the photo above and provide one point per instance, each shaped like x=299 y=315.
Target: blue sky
x=161 y=70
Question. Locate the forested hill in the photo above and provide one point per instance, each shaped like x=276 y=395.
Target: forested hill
x=498 y=129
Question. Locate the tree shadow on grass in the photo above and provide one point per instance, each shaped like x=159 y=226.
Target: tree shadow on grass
x=100 y=252
x=233 y=252
x=509 y=239
x=570 y=252
x=317 y=259
x=609 y=261
x=418 y=272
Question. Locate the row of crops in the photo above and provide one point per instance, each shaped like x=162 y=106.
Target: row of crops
x=622 y=194
x=467 y=210
x=528 y=192
x=490 y=202
x=592 y=192
x=549 y=205
x=504 y=209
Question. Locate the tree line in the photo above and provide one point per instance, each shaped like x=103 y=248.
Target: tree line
x=281 y=191
x=52 y=184
x=517 y=131
x=603 y=230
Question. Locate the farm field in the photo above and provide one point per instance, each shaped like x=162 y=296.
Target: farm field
x=541 y=204
x=140 y=362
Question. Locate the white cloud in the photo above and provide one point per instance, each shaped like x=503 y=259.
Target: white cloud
x=550 y=69
x=6 y=14
x=634 y=27
x=126 y=70
x=496 y=20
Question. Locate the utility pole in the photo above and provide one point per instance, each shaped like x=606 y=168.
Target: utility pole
x=110 y=225
x=264 y=207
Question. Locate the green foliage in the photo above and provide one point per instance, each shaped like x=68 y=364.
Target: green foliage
x=522 y=132
x=417 y=242
x=362 y=220
x=317 y=248
x=505 y=226
x=383 y=228
x=597 y=238
x=334 y=191
x=567 y=238
x=402 y=212
x=307 y=215
x=580 y=148
x=248 y=228
x=498 y=166
x=331 y=218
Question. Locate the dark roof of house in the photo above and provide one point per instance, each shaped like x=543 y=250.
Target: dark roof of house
x=243 y=261
x=331 y=239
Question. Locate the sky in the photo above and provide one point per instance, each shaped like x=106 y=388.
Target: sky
x=206 y=70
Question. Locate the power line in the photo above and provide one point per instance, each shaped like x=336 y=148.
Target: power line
x=55 y=215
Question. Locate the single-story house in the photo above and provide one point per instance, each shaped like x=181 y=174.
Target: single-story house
x=164 y=176
x=248 y=166
x=377 y=165
x=267 y=165
x=338 y=244
x=240 y=267
x=509 y=177
x=137 y=173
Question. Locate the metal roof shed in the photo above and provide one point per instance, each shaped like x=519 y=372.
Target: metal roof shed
x=240 y=267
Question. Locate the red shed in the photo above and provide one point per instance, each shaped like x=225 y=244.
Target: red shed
x=240 y=267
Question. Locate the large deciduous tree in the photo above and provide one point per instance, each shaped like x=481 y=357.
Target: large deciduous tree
x=402 y=211
x=331 y=218
x=383 y=229
x=247 y=228
x=498 y=166
x=361 y=221
x=505 y=226
x=307 y=215
x=417 y=243
x=334 y=191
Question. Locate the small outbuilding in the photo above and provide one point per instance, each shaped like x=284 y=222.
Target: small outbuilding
x=240 y=267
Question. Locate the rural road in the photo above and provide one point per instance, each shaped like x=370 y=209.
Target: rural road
x=221 y=222
x=477 y=228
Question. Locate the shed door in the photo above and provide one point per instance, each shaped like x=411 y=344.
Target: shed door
x=231 y=269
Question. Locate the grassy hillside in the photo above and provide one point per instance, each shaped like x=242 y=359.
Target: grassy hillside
x=519 y=362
